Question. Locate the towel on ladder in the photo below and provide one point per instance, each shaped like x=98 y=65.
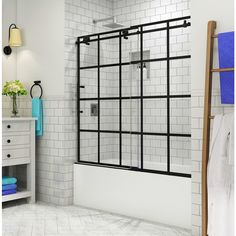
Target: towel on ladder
x=220 y=177
x=226 y=60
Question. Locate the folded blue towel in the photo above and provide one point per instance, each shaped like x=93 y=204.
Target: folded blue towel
x=8 y=180
x=9 y=187
x=7 y=192
x=37 y=111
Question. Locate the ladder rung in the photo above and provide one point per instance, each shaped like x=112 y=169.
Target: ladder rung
x=222 y=69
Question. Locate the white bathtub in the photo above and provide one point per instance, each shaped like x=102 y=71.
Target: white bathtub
x=153 y=197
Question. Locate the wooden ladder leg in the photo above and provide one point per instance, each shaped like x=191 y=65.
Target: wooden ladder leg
x=206 y=123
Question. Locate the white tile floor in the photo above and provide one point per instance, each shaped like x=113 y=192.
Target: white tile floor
x=46 y=220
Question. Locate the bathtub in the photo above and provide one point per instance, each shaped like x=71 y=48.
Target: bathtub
x=152 y=197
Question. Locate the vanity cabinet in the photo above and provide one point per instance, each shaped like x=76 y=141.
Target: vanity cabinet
x=18 y=148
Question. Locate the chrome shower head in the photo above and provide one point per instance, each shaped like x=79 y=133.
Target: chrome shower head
x=112 y=25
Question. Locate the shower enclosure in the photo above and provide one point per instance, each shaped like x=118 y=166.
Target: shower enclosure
x=134 y=98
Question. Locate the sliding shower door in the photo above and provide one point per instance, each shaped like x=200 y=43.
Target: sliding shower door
x=134 y=98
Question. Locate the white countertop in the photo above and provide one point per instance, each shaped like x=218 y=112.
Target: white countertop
x=18 y=118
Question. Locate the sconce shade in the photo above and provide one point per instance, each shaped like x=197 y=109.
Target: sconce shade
x=15 y=37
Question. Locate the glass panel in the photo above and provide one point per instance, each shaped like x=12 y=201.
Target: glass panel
x=131 y=115
x=89 y=54
x=180 y=148
x=155 y=115
x=180 y=119
x=109 y=148
x=89 y=79
x=130 y=81
x=155 y=78
x=155 y=152
x=179 y=40
x=180 y=80
x=109 y=115
x=154 y=43
x=109 y=51
x=131 y=150
x=109 y=81
x=88 y=146
x=87 y=119
x=131 y=48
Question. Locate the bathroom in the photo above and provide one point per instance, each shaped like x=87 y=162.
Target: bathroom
x=116 y=92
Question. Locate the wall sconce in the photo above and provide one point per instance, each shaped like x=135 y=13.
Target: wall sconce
x=14 y=38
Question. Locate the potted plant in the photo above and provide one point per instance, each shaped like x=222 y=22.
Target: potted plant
x=13 y=89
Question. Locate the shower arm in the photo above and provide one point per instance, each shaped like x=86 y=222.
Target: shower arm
x=105 y=19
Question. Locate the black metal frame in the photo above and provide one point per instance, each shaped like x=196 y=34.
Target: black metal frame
x=124 y=33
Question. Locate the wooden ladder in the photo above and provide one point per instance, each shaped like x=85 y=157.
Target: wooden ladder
x=211 y=36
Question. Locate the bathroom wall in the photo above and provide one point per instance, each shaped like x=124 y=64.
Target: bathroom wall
x=8 y=17
x=43 y=43
x=223 y=13
x=41 y=57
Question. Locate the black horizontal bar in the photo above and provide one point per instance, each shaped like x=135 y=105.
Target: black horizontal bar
x=136 y=62
x=134 y=132
x=133 y=33
x=137 y=97
x=136 y=26
x=131 y=168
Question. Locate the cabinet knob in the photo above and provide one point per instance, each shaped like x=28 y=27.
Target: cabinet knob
x=8 y=126
x=8 y=140
x=8 y=155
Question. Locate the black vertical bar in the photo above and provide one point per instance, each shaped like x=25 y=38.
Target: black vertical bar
x=78 y=97
x=168 y=95
x=141 y=94
x=120 y=98
x=98 y=99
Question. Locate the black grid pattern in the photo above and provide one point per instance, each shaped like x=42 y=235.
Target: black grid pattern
x=120 y=34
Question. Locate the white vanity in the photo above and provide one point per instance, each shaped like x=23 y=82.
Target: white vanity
x=18 y=148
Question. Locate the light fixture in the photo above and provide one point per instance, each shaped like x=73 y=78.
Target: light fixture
x=14 y=39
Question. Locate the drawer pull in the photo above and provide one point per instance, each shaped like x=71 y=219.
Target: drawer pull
x=8 y=126
x=8 y=140
x=8 y=155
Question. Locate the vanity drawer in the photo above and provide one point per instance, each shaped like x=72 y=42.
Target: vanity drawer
x=15 y=153
x=10 y=140
x=15 y=126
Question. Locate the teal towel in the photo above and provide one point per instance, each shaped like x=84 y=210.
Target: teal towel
x=37 y=111
x=8 y=180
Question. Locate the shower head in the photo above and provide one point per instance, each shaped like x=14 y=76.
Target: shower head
x=112 y=25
